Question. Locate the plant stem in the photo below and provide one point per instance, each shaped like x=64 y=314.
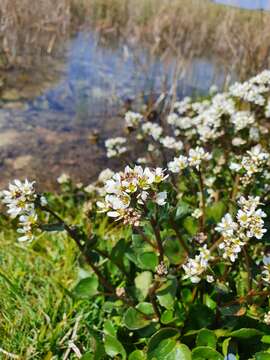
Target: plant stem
x=201 y=185
x=247 y=265
x=74 y=235
x=145 y=238
x=156 y=230
x=215 y=245
x=243 y=299
x=153 y=300
x=181 y=241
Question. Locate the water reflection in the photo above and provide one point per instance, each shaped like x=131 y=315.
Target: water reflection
x=52 y=130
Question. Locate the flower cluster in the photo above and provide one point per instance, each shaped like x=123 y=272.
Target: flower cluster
x=127 y=191
x=249 y=224
x=115 y=146
x=195 y=268
x=171 y=143
x=242 y=120
x=195 y=158
x=251 y=164
x=133 y=119
x=152 y=129
x=203 y=120
x=20 y=199
x=253 y=90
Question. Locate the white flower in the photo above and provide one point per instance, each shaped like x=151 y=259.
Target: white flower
x=266 y=318
x=19 y=198
x=249 y=225
x=194 y=268
x=254 y=161
x=151 y=147
x=242 y=120
x=160 y=198
x=235 y=166
x=126 y=191
x=116 y=146
x=152 y=129
x=133 y=119
x=197 y=213
x=238 y=141
x=178 y=164
x=196 y=156
x=141 y=160
x=63 y=179
x=43 y=201
x=171 y=143
x=90 y=188
x=172 y=119
x=182 y=106
x=210 y=278
x=105 y=175
x=227 y=226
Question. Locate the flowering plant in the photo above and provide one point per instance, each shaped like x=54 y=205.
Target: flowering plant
x=177 y=242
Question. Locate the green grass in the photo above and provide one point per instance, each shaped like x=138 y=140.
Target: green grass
x=36 y=307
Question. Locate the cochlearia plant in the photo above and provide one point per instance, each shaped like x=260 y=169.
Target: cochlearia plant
x=176 y=243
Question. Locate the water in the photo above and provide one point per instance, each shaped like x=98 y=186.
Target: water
x=53 y=130
x=247 y=4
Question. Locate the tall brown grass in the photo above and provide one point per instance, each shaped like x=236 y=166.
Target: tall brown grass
x=238 y=40
x=31 y=29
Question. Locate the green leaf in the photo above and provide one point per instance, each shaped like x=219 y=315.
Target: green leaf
x=97 y=347
x=200 y=316
x=206 y=338
x=87 y=356
x=225 y=346
x=245 y=333
x=137 y=355
x=190 y=225
x=262 y=356
x=143 y=282
x=167 y=317
x=113 y=347
x=86 y=287
x=134 y=320
x=182 y=210
x=118 y=251
x=209 y=302
x=216 y=211
x=180 y=351
x=165 y=334
x=174 y=251
x=161 y=350
x=206 y=353
x=265 y=339
x=148 y=261
x=109 y=329
x=146 y=308
x=166 y=294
